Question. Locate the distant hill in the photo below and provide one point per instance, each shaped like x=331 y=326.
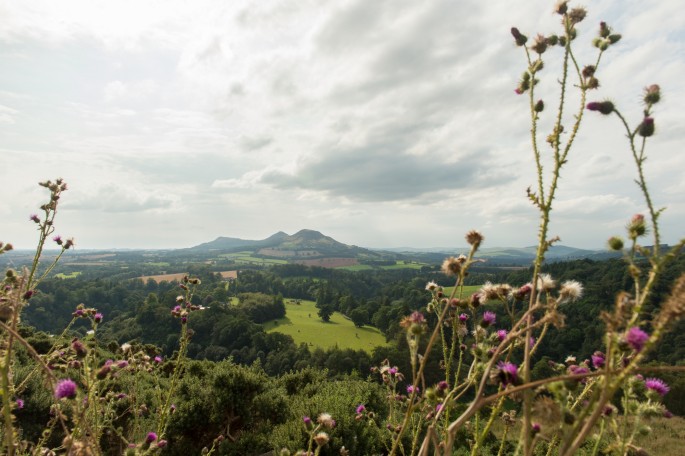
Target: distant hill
x=305 y=244
x=508 y=255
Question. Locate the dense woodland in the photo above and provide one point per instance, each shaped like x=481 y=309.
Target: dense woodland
x=248 y=385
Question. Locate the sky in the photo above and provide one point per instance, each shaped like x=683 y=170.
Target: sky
x=379 y=123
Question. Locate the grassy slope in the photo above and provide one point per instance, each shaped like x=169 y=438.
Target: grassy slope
x=304 y=325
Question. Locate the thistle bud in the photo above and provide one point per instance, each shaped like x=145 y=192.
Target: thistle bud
x=552 y=40
x=539 y=106
x=589 y=71
x=592 y=83
x=637 y=226
x=577 y=15
x=614 y=38
x=646 y=128
x=605 y=107
x=604 y=30
x=540 y=44
x=652 y=95
x=615 y=243
x=561 y=7
x=519 y=38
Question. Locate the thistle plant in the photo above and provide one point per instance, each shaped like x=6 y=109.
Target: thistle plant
x=85 y=378
x=560 y=413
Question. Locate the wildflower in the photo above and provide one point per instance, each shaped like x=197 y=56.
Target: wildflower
x=438 y=407
x=443 y=385
x=540 y=44
x=571 y=290
x=561 y=7
x=122 y=364
x=507 y=373
x=637 y=226
x=652 y=95
x=576 y=15
x=501 y=334
x=489 y=318
x=604 y=107
x=598 y=359
x=392 y=371
x=474 y=238
x=476 y=300
x=535 y=428
x=321 y=439
x=451 y=266
x=578 y=370
x=636 y=338
x=29 y=294
x=79 y=348
x=523 y=291
x=360 y=409
x=326 y=420
x=34 y=218
x=19 y=403
x=646 y=128
x=58 y=240
x=546 y=283
x=519 y=38
x=430 y=286
x=69 y=243
x=158 y=359
x=125 y=347
x=97 y=318
x=657 y=385
x=151 y=437
x=65 y=389
x=411 y=389
x=161 y=444
x=463 y=317
x=539 y=106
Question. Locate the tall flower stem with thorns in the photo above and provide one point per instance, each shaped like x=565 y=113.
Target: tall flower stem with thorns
x=544 y=196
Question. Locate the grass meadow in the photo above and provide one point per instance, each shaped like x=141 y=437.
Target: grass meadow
x=304 y=325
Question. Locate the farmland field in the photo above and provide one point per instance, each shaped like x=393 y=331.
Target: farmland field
x=68 y=275
x=304 y=325
x=468 y=290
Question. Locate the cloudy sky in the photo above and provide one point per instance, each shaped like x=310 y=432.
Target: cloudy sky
x=381 y=123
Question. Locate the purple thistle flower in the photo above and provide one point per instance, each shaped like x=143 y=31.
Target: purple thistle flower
x=438 y=407
x=392 y=371
x=151 y=437
x=20 y=403
x=307 y=421
x=122 y=364
x=636 y=338
x=463 y=317
x=34 y=218
x=411 y=389
x=657 y=385
x=443 y=385
x=158 y=359
x=489 y=318
x=598 y=359
x=58 y=239
x=161 y=444
x=501 y=334
x=417 y=317
x=98 y=317
x=65 y=388
x=604 y=107
x=360 y=408
x=508 y=372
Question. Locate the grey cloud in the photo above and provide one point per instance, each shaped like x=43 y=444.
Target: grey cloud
x=380 y=172
x=115 y=199
x=252 y=143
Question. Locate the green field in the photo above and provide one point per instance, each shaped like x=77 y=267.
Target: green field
x=405 y=265
x=468 y=290
x=304 y=325
x=71 y=275
x=247 y=258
